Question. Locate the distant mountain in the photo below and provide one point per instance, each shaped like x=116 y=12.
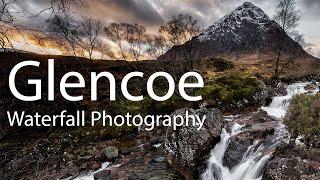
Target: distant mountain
x=246 y=29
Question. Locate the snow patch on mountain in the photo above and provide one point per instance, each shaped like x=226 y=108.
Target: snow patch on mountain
x=229 y=24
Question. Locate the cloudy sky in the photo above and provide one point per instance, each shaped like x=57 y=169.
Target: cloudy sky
x=153 y=13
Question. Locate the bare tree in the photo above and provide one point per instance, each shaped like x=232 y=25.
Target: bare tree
x=136 y=38
x=129 y=39
x=44 y=41
x=104 y=49
x=7 y=26
x=157 y=46
x=5 y=12
x=66 y=5
x=117 y=33
x=299 y=38
x=90 y=32
x=288 y=18
x=58 y=7
x=64 y=28
x=180 y=29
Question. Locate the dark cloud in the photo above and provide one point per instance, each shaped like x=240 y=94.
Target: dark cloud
x=153 y=13
x=310 y=9
x=311 y=3
x=143 y=10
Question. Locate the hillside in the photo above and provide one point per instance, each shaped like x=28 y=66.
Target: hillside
x=230 y=87
x=245 y=36
x=21 y=145
x=246 y=125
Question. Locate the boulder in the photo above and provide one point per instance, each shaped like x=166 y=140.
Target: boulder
x=102 y=175
x=235 y=151
x=262 y=97
x=310 y=87
x=95 y=165
x=187 y=148
x=293 y=168
x=293 y=162
x=258 y=127
x=110 y=153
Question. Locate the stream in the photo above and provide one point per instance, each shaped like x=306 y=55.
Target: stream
x=258 y=154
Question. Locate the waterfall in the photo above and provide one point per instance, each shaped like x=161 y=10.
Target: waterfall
x=215 y=167
x=258 y=154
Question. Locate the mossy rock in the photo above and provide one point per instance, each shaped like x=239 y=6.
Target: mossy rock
x=230 y=89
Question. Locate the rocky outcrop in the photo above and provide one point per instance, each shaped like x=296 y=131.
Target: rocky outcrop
x=188 y=148
x=293 y=168
x=262 y=97
x=257 y=127
x=110 y=153
x=146 y=161
x=294 y=162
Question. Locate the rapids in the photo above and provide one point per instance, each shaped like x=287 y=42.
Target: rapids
x=258 y=154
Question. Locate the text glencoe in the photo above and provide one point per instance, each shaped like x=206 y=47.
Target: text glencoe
x=63 y=119
x=94 y=79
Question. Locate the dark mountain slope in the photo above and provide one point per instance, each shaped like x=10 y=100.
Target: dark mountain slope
x=246 y=29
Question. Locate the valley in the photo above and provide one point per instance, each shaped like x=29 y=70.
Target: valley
x=250 y=124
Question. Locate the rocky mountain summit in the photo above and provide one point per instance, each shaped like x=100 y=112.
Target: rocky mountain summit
x=246 y=29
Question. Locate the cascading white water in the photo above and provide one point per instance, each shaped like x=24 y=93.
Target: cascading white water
x=258 y=154
x=215 y=167
x=280 y=104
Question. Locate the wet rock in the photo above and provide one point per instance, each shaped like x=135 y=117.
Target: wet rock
x=294 y=162
x=254 y=118
x=310 y=87
x=155 y=140
x=95 y=165
x=85 y=157
x=72 y=171
x=290 y=168
x=261 y=117
x=110 y=153
x=235 y=151
x=238 y=145
x=148 y=147
x=102 y=175
x=127 y=151
x=98 y=156
x=186 y=147
x=262 y=97
x=258 y=127
x=140 y=163
x=280 y=90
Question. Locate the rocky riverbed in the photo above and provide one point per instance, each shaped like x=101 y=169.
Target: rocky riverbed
x=251 y=146
x=226 y=147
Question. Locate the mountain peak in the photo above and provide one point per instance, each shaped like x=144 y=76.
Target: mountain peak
x=247 y=4
x=246 y=29
x=250 y=10
x=246 y=13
